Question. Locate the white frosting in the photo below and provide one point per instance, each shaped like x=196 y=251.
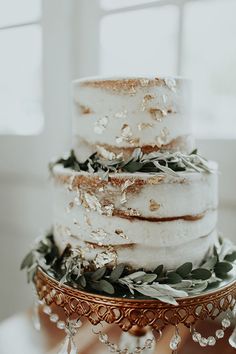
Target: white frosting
x=126 y=113
x=140 y=219
x=185 y=216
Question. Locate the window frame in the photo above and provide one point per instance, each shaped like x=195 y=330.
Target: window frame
x=215 y=149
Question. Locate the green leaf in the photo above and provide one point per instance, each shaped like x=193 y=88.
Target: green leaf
x=231 y=257
x=103 y=285
x=201 y=273
x=210 y=263
x=174 y=278
x=98 y=274
x=133 y=166
x=147 y=278
x=117 y=272
x=185 y=269
x=27 y=261
x=194 y=152
x=82 y=281
x=159 y=270
x=222 y=268
x=31 y=275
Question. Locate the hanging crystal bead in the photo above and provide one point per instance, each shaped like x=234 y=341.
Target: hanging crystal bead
x=211 y=341
x=232 y=339
x=35 y=316
x=175 y=341
x=203 y=342
x=196 y=337
x=47 y=310
x=68 y=346
x=226 y=323
x=220 y=333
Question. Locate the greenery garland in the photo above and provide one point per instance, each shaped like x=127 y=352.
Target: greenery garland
x=161 y=161
x=70 y=268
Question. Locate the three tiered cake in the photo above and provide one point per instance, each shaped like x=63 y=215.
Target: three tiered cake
x=118 y=209
x=135 y=205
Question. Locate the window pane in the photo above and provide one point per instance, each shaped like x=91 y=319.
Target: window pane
x=114 y=4
x=209 y=59
x=17 y=11
x=140 y=42
x=20 y=84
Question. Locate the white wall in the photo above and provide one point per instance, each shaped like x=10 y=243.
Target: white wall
x=25 y=199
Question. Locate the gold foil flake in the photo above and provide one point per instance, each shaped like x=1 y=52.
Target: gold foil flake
x=124 y=187
x=123 y=198
x=126 y=134
x=108 y=155
x=120 y=155
x=121 y=114
x=134 y=141
x=142 y=126
x=71 y=182
x=100 y=125
x=133 y=212
x=99 y=234
x=127 y=184
x=77 y=199
x=145 y=101
x=162 y=139
x=121 y=234
x=132 y=91
x=153 y=205
x=85 y=109
x=92 y=202
x=108 y=210
x=87 y=220
x=157 y=113
x=171 y=84
x=106 y=257
x=155 y=180
x=144 y=82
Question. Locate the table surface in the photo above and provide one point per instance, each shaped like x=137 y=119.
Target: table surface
x=17 y=335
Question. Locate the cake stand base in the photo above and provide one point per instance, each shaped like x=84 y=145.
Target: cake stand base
x=135 y=315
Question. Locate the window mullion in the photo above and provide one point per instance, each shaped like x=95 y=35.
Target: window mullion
x=180 y=40
x=17 y=25
x=144 y=6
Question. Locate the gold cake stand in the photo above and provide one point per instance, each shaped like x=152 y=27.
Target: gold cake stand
x=134 y=315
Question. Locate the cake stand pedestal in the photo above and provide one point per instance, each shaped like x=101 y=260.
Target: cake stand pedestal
x=142 y=318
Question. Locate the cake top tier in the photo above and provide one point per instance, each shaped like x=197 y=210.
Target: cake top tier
x=116 y=115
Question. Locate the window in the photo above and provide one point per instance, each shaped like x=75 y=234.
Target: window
x=20 y=67
x=192 y=38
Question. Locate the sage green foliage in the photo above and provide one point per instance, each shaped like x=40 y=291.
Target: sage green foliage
x=160 y=284
x=161 y=161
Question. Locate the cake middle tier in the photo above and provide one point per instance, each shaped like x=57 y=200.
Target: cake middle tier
x=135 y=211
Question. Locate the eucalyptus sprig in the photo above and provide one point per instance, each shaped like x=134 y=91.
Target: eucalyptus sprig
x=166 y=162
x=165 y=285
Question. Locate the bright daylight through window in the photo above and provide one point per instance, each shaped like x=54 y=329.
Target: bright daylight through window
x=165 y=37
x=20 y=67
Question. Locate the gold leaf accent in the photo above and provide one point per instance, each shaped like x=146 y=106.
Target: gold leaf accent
x=153 y=205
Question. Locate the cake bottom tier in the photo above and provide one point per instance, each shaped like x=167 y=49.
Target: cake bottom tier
x=147 y=257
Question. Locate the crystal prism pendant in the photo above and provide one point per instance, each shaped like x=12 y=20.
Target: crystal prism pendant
x=73 y=347
x=68 y=346
x=232 y=339
x=35 y=316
